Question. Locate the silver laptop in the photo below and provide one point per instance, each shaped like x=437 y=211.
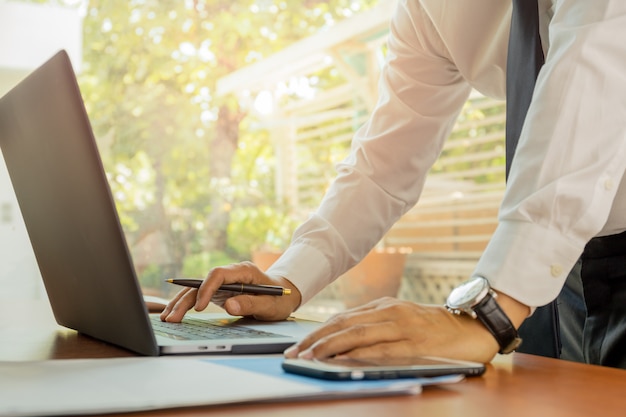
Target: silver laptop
x=71 y=219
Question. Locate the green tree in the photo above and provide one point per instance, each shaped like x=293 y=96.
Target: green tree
x=170 y=147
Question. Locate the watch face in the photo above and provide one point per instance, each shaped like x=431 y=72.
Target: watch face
x=468 y=294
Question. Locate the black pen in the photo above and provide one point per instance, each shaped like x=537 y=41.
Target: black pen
x=239 y=287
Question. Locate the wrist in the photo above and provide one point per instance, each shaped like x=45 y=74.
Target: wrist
x=295 y=298
x=478 y=300
x=515 y=310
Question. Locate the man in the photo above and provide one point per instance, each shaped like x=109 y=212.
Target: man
x=564 y=188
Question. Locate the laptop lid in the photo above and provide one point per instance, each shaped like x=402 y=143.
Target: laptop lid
x=72 y=222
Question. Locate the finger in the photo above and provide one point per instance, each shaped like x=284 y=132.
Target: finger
x=338 y=324
x=220 y=297
x=357 y=336
x=180 y=307
x=396 y=349
x=244 y=272
x=168 y=308
x=261 y=307
x=455 y=349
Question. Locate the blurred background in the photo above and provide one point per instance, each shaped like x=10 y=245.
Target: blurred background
x=220 y=123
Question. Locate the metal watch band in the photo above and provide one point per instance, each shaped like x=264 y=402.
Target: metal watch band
x=497 y=322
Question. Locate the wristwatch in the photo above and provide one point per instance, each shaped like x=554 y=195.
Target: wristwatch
x=476 y=299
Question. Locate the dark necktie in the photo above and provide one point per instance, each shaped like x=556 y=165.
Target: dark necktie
x=524 y=60
x=540 y=332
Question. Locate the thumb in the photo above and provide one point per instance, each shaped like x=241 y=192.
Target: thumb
x=261 y=307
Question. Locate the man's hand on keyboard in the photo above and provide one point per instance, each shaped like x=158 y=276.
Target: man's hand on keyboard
x=261 y=307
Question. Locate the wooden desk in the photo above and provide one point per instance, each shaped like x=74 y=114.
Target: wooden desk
x=515 y=385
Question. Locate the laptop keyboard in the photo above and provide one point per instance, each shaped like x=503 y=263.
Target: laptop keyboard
x=197 y=329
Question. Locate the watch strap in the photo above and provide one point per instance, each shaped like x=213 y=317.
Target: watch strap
x=497 y=322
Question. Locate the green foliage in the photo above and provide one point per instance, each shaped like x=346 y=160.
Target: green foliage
x=266 y=227
x=148 y=80
x=199 y=264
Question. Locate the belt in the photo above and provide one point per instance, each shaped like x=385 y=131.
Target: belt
x=605 y=246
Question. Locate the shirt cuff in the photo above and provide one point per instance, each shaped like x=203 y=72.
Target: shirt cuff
x=528 y=262
x=305 y=267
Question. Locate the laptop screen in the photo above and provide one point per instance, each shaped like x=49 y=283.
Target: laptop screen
x=68 y=209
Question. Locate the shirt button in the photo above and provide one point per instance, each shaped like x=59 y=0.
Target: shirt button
x=608 y=184
x=556 y=270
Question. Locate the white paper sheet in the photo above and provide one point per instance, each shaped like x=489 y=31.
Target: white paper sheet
x=90 y=386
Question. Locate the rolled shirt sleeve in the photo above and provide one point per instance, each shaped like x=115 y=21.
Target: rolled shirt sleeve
x=565 y=185
x=571 y=157
x=421 y=94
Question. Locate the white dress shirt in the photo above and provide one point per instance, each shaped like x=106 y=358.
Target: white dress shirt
x=565 y=185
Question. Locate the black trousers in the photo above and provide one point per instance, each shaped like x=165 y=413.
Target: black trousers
x=587 y=322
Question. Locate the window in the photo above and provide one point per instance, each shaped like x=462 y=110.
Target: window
x=210 y=154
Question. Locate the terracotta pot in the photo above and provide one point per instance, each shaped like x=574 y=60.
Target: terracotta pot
x=379 y=274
